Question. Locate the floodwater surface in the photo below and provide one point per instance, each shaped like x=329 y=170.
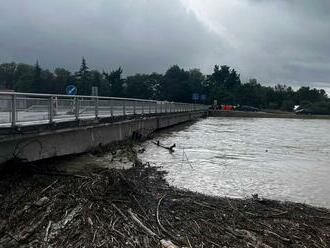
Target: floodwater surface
x=283 y=159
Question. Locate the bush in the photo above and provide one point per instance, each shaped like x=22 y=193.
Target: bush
x=320 y=108
x=287 y=105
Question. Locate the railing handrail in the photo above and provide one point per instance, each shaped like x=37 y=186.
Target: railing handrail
x=68 y=96
x=89 y=97
x=129 y=106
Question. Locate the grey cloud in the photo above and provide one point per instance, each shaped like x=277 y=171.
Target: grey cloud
x=276 y=41
x=272 y=40
x=142 y=36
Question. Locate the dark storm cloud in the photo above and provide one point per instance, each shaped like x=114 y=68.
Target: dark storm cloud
x=142 y=36
x=272 y=40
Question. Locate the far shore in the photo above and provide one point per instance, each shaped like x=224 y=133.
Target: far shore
x=265 y=114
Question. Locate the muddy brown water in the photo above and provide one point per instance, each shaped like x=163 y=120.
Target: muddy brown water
x=283 y=159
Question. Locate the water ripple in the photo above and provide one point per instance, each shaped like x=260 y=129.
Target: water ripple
x=278 y=158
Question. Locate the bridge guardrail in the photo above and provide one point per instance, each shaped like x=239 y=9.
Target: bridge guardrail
x=30 y=108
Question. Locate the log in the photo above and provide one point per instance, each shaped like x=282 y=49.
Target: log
x=146 y=229
x=167 y=244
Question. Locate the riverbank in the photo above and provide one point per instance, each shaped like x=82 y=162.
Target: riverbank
x=43 y=206
x=264 y=114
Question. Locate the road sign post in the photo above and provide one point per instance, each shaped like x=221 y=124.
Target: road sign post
x=72 y=90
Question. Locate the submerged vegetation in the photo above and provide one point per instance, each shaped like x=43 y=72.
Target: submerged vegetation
x=176 y=84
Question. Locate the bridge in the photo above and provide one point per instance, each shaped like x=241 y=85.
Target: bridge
x=40 y=126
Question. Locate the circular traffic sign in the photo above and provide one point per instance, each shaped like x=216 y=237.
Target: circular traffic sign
x=71 y=90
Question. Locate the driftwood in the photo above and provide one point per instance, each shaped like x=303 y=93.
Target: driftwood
x=47 y=231
x=146 y=229
x=164 y=243
x=58 y=226
x=137 y=208
x=157 y=215
x=167 y=244
x=119 y=211
x=169 y=148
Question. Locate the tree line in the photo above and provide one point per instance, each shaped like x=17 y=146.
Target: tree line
x=176 y=84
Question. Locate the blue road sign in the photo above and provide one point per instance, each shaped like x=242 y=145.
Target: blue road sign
x=71 y=90
x=195 y=96
x=203 y=97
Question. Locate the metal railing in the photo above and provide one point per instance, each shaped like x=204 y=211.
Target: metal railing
x=30 y=109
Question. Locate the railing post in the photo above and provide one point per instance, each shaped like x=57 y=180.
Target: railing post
x=124 y=108
x=13 y=110
x=76 y=108
x=51 y=109
x=161 y=107
x=165 y=107
x=134 y=107
x=149 y=104
x=111 y=108
x=96 y=107
x=156 y=107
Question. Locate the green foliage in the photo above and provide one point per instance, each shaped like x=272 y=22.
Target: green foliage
x=115 y=82
x=140 y=86
x=7 y=74
x=62 y=78
x=174 y=86
x=287 y=105
x=312 y=95
x=177 y=84
x=223 y=84
x=320 y=108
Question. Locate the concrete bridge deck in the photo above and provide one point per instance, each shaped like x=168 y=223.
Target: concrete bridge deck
x=51 y=132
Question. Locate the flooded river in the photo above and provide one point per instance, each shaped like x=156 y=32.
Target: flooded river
x=282 y=159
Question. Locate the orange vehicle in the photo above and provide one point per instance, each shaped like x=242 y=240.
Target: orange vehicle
x=227 y=107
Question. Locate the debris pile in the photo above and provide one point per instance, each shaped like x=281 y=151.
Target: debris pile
x=137 y=208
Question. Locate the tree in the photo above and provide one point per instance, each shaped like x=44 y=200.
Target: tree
x=96 y=78
x=7 y=75
x=175 y=86
x=115 y=82
x=62 y=78
x=223 y=84
x=195 y=81
x=83 y=71
x=36 y=83
x=83 y=79
x=140 y=86
x=250 y=93
x=23 y=77
x=312 y=95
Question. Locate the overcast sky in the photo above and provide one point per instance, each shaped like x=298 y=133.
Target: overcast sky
x=272 y=40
